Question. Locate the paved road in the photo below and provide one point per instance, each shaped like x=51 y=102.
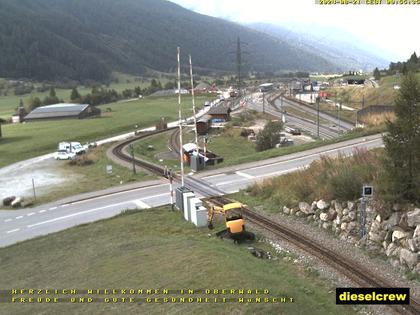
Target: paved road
x=18 y=225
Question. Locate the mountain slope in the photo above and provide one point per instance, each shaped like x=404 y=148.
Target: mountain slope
x=337 y=46
x=56 y=39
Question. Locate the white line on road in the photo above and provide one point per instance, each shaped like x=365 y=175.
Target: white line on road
x=42 y=211
x=245 y=175
x=76 y=214
x=19 y=217
x=29 y=214
x=141 y=204
x=52 y=208
x=160 y=195
x=12 y=231
x=119 y=193
x=7 y=220
x=283 y=172
x=212 y=176
x=231 y=182
x=65 y=205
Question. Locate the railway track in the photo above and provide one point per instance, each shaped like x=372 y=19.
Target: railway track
x=352 y=270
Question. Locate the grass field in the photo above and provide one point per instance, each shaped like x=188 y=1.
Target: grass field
x=10 y=102
x=157 y=249
x=23 y=141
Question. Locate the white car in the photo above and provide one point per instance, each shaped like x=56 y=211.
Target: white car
x=64 y=155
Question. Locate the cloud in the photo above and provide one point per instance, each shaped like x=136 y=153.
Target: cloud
x=390 y=27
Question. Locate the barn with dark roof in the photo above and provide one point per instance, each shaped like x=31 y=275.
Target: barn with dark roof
x=63 y=111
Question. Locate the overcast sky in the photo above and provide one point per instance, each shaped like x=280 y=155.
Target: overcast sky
x=394 y=28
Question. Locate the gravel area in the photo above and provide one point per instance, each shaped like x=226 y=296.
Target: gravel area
x=380 y=267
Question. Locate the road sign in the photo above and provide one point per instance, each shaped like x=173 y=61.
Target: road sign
x=367 y=191
x=109 y=169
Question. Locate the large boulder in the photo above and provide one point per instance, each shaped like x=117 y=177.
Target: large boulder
x=351 y=226
x=414 y=244
x=392 y=250
x=392 y=221
x=417 y=231
x=375 y=237
x=352 y=215
x=351 y=205
x=324 y=216
x=322 y=205
x=409 y=258
x=306 y=208
x=413 y=217
x=286 y=210
x=400 y=234
x=338 y=207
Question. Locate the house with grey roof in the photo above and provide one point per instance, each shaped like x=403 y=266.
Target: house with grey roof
x=63 y=111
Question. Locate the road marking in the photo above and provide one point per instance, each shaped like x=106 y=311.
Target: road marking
x=212 y=176
x=19 y=217
x=283 y=172
x=141 y=204
x=76 y=214
x=42 y=211
x=65 y=205
x=7 y=220
x=231 y=182
x=120 y=193
x=29 y=214
x=160 y=195
x=52 y=208
x=12 y=231
x=245 y=175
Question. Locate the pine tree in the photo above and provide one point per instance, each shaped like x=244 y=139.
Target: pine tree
x=74 y=96
x=402 y=143
x=376 y=74
x=52 y=92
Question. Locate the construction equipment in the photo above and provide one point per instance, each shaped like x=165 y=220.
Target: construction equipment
x=234 y=221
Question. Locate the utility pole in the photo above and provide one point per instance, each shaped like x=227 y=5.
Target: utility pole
x=239 y=63
x=132 y=158
x=263 y=103
x=181 y=149
x=193 y=105
x=317 y=116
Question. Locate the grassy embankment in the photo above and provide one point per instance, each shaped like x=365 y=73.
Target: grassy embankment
x=328 y=178
x=23 y=141
x=157 y=249
x=383 y=95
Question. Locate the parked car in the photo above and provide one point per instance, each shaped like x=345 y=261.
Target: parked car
x=64 y=155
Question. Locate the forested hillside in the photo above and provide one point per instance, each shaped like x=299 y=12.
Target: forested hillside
x=76 y=39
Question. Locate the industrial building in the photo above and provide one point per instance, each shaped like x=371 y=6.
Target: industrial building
x=63 y=111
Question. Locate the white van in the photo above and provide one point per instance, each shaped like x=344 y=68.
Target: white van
x=74 y=147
